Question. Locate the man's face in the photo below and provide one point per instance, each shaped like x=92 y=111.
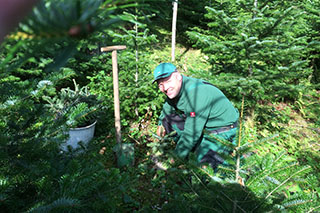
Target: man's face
x=170 y=85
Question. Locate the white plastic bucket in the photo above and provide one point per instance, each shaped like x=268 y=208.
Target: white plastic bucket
x=84 y=134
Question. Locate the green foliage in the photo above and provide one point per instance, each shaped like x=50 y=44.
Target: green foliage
x=258 y=178
x=61 y=203
x=50 y=20
x=265 y=182
x=138 y=97
x=256 y=49
x=78 y=107
x=33 y=170
x=267 y=51
x=312 y=19
x=307 y=103
x=79 y=183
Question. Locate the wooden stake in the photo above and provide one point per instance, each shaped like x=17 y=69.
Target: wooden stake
x=115 y=87
x=174 y=23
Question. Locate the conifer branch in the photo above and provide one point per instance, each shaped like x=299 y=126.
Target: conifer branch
x=280 y=185
x=285 y=181
x=265 y=172
x=200 y=181
x=270 y=29
x=247 y=146
x=234 y=203
x=312 y=210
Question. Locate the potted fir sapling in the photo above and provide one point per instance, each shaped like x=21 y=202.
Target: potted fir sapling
x=79 y=109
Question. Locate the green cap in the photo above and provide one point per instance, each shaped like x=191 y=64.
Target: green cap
x=163 y=70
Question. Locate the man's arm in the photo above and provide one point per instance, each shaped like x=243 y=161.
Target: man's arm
x=197 y=114
x=166 y=110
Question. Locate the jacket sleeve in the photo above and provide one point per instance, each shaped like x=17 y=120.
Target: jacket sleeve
x=197 y=113
x=166 y=110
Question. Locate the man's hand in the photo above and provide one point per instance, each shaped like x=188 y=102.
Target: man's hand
x=161 y=131
x=171 y=160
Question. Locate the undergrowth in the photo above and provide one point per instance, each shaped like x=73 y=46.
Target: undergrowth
x=268 y=175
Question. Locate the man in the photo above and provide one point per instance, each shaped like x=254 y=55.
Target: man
x=192 y=106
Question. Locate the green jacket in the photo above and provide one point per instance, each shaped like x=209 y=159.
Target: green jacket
x=205 y=106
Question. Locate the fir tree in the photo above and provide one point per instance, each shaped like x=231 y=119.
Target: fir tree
x=256 y=48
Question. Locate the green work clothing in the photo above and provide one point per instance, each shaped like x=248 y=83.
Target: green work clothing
x=205 y=107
